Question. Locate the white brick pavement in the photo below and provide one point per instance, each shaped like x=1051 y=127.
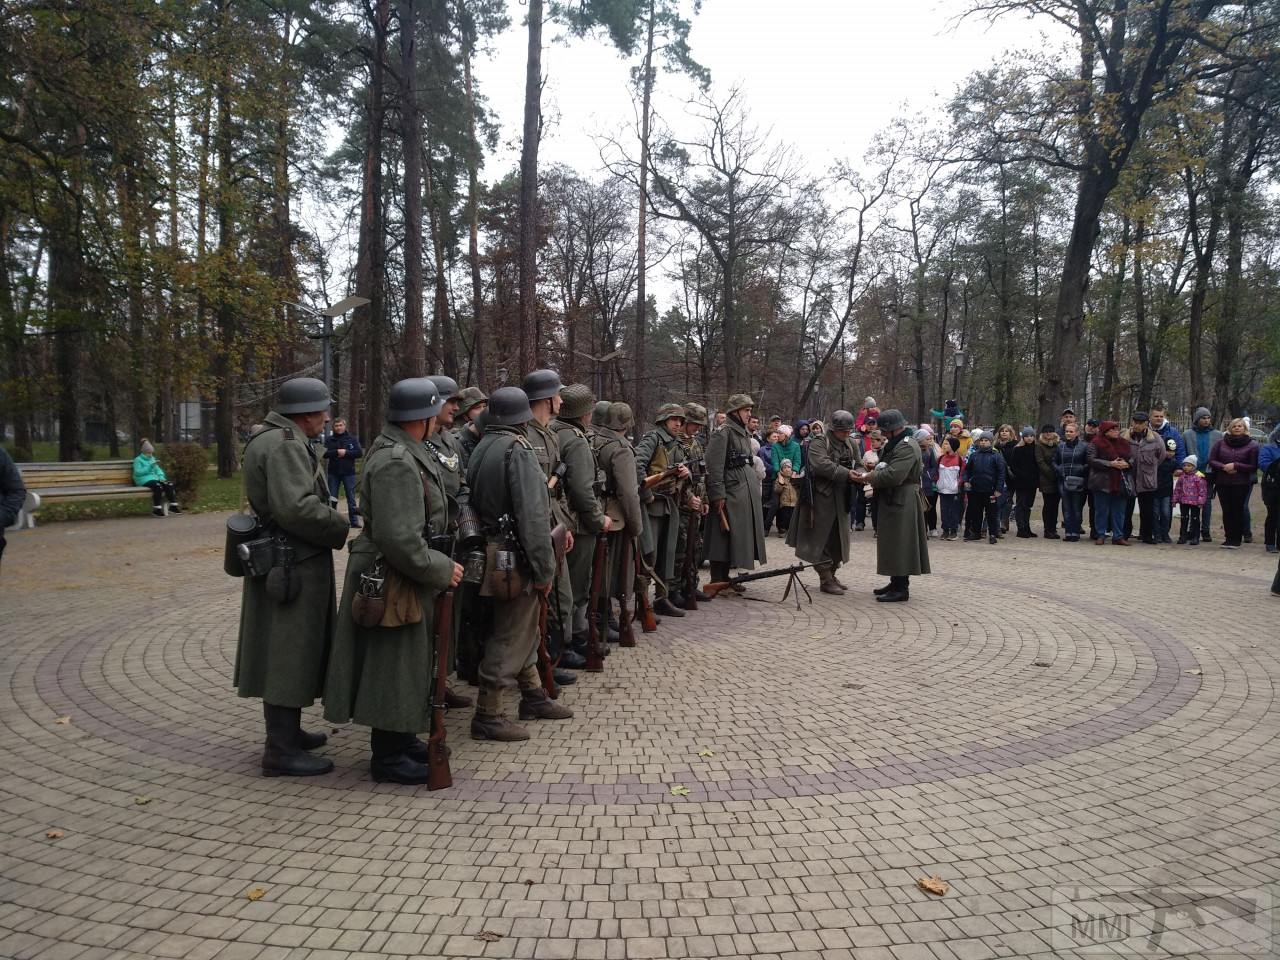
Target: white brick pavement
x=854 y=748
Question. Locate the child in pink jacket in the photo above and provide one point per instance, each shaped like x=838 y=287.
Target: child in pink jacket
x=1190 y=493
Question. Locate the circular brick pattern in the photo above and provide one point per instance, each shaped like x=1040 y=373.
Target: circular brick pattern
x=1037 y=716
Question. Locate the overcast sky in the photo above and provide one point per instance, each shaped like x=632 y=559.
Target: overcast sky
x=824 y=75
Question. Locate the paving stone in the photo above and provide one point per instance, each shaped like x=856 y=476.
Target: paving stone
x=901 y=740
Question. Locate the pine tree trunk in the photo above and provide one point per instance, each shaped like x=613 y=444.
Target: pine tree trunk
x=528 y=332
x=479 y=330
x=225 y=363
x=413 y=361
x=638 y=360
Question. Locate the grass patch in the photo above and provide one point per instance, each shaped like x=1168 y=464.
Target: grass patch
x=216 y=494
x=46 y=451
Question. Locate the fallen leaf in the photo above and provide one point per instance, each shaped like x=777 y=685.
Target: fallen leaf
x=815 y=636
x=679 y=791
x=257 y=893
x=852 y=686
x=63 y=721
x=1194 y=673
x=54 y=834
x=704 y=752
x=528 y=883
x=934 y=885
x=1040 y=663
x=488 y=936
x=142 y=801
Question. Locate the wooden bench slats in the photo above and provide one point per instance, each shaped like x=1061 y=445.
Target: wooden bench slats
x=91 y=480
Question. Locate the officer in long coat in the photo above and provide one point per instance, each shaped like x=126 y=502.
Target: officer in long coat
x=543 y=387
x=902 y=539
x=507 y=481
x=819 y=531
x=734 y=495
x=382 y=676
x=617 y=460
x=658 y=451
x=284 y=640
x=585 y=510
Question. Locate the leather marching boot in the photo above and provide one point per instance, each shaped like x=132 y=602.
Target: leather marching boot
x=311 y=741
x=496 y=727
x=880 y=591
x=564 y=678
x=454 y=700
x=283 y=755
x=536 y=705
x=1275 y=584
x=664 y=607
x=827 y=583
x=676 y=598
x=391 y=761
x=836 y=580
x=898 y=591
x=702 y=597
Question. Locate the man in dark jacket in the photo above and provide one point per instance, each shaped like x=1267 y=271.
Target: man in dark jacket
x=1024 y=478
x=1199 y=439
x=13 y=494
x=341 y=451
x=983 y=479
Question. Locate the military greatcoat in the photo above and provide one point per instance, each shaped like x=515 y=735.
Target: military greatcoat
x=617 y=460
x=820 y=531
x=382 y=676
x=902 y=540
x=731 y=478
x=584 y=508
x=282 y=648
x=657 y=451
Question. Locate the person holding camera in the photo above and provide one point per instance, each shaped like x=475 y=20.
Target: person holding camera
x=383 y=663
x=510 y=497
x=286 y=614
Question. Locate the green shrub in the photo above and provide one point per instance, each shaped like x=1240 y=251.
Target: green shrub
x=185 y=464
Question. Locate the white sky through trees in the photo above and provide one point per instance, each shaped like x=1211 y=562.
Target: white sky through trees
x=823 y=75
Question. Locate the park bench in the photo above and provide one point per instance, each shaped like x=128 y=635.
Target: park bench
x=91 y=480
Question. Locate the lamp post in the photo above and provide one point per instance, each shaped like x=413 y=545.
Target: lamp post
x=325 y=336
x=958 y=358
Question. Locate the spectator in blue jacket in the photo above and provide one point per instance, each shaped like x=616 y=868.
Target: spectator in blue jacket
x=148 y=473
x=983 y=479
x=1161 y=425
x=341 y=451
x=1199 y=439
x=1269 y=472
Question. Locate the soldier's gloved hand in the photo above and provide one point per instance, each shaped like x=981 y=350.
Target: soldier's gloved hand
x=456 y=578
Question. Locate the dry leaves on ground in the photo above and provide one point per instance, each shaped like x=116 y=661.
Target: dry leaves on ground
x=704 y=752
x=1194 y=673
x=63 y=721
x=54 y=834
x=257 y=893
x=679 y=791
x=142 y=801
x=935 y=885
x=488 y=936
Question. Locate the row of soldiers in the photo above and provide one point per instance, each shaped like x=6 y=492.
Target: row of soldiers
x=513 y=507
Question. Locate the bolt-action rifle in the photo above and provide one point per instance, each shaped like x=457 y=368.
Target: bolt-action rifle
x=644 y=606
x=691 y=562
x=668 y=474
x=438 y=773
x=595 y=649
x=626 y=634
x=546 y=666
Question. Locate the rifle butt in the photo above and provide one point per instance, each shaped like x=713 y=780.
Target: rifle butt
x=439 y=777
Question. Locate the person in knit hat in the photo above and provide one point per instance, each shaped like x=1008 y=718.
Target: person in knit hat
x=868 y=409
x=148 y=473
x=1190 y=492
x=1199 y=439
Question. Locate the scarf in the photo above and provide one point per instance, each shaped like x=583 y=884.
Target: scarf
x=896 y=439
x=1237 y=442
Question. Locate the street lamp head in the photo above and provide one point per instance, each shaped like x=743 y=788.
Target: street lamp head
x=344 y=306
x=959 y=357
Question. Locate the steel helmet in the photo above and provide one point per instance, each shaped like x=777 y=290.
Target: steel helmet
x=541 y=384
x=508 y=407
x=303 y=395
x=414 y=399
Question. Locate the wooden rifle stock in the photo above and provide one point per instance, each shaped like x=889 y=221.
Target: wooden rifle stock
x=438 y=774
x=644 y=606
x=715 y=589
x=545 y=667
x=670 y=473
x=626 y=633
x=595 y=652
x=724 y=518
x=691 y=563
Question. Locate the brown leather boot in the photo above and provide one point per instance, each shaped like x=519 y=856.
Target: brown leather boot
x=536 y=705
x=836 y=580
x=827 y=582
x=666 y=608
x=496 y=727
x=455 y=700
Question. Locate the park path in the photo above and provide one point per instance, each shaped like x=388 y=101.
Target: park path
x=1058 y=731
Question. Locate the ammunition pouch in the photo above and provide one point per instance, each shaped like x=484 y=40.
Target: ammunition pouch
x=257 y=557
x=736 y=461
x=503 y=578
x=283 y=583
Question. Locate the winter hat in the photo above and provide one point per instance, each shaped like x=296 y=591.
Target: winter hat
x=1028 y=431
x=1192 y=459
x=1048 y=428
x=925 y=428
x=869 y=401
x=954 y=444
x=1201 y=412
x=922 y=435
x=786 y=462
x=148 y=449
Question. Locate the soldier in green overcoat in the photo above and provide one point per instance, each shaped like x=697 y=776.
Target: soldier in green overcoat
x=693 y=508
x=902 y=539
x=658 y=451
x=507 y=484
x=468 y=427
x=543 y=387
x=617 y=460
x=284 y=642
x=584 y=507
x=383 y=676
x=733 y=493
x=819 y=530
